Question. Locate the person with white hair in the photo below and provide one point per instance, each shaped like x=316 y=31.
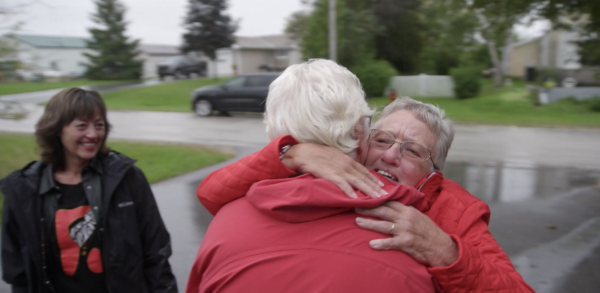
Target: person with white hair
x=298 y=234
x=447 y=230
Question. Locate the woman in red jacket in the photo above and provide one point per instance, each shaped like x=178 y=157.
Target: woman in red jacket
x=447 y=230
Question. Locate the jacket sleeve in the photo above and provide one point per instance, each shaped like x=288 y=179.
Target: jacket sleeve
x=234 y=180
x=156 y=242
x=13 y=265
x=482 y=265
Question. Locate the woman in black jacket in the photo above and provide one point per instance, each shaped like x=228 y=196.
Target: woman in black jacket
x=83 y=218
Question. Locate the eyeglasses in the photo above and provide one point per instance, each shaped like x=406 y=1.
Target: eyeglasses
x=411 y=150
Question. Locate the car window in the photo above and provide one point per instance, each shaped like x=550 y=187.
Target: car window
x=255 y=81
x=236 y=82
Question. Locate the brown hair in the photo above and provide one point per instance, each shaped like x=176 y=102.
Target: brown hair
x=62 y=109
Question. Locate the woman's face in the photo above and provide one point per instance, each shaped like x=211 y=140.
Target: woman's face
x=405 y=126
x=82 y=139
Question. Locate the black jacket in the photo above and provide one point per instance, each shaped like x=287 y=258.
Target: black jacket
x=136 y=244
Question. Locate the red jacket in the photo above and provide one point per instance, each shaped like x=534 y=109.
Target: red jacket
x=482 y=265
x=298 y=235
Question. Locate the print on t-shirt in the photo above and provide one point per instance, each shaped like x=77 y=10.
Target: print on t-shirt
x=74 y=227
x=82 y=228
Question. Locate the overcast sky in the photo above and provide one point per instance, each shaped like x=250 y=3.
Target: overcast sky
x=152 y=21
x=159 y=21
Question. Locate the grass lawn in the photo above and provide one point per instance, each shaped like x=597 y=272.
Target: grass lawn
x=25 y=87
x=158 y=161
x=172 y=96
x=510 y=106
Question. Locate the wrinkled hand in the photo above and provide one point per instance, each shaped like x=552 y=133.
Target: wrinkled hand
x=332 y=165
x=413 y=232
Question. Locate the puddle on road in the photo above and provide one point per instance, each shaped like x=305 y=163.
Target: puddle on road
x=509 y=182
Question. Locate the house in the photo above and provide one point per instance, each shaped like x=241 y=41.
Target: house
x=49 y=53
x=63 y=56
x=555 y=49
x=255 y=54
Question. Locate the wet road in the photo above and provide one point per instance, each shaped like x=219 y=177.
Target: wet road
x=542 y=186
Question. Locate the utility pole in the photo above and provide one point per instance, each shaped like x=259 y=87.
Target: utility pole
x=332 y=32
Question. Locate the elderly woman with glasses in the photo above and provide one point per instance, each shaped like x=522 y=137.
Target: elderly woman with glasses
x=298 y=234
x=447 y=230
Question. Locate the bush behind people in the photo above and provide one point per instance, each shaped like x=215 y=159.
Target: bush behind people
x=466 y=81
x=374 y=76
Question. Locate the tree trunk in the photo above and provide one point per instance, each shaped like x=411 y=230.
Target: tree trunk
x=498 y=76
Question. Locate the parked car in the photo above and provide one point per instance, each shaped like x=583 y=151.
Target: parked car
x=181 y=66
x=246 y=92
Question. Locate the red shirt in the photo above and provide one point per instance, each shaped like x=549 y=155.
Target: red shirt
x=299 y=235
x=482 y=265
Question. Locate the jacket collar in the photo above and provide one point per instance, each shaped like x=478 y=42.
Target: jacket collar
x=47 y=182
x=430 y=186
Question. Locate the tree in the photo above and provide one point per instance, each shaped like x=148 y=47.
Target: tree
x=355 y=31
x=114 y=56
x=448 y=34
x=295 y=23
x=7 y=24
x=367 y=29
x=496 y=21
x=207 y=27
x=399 y=40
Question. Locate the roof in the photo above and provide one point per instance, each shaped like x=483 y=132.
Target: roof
x=51 y=41
x=265 y=42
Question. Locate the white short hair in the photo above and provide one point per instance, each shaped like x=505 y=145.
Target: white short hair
x=317 y=101
x=434 y=117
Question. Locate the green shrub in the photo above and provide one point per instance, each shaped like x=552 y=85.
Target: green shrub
x=466 y=81
x=593 y=104
x=374 y=76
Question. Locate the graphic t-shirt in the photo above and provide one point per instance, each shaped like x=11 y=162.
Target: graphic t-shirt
x=75 y=261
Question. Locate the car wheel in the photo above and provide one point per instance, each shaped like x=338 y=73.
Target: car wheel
x=203 y=108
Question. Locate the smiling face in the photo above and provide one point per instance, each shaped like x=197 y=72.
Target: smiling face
x=82 y=139
x=405 y=126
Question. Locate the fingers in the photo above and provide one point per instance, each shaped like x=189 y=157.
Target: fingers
x=334 y=166
x=365 y=185
x=383 y=227
x=366 y=182
x=384 y=244
x=346 y=188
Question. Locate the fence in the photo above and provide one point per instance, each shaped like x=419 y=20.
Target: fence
x=423 y=85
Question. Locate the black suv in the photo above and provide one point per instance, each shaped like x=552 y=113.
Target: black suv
x=181 y=66
x=246 y=92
